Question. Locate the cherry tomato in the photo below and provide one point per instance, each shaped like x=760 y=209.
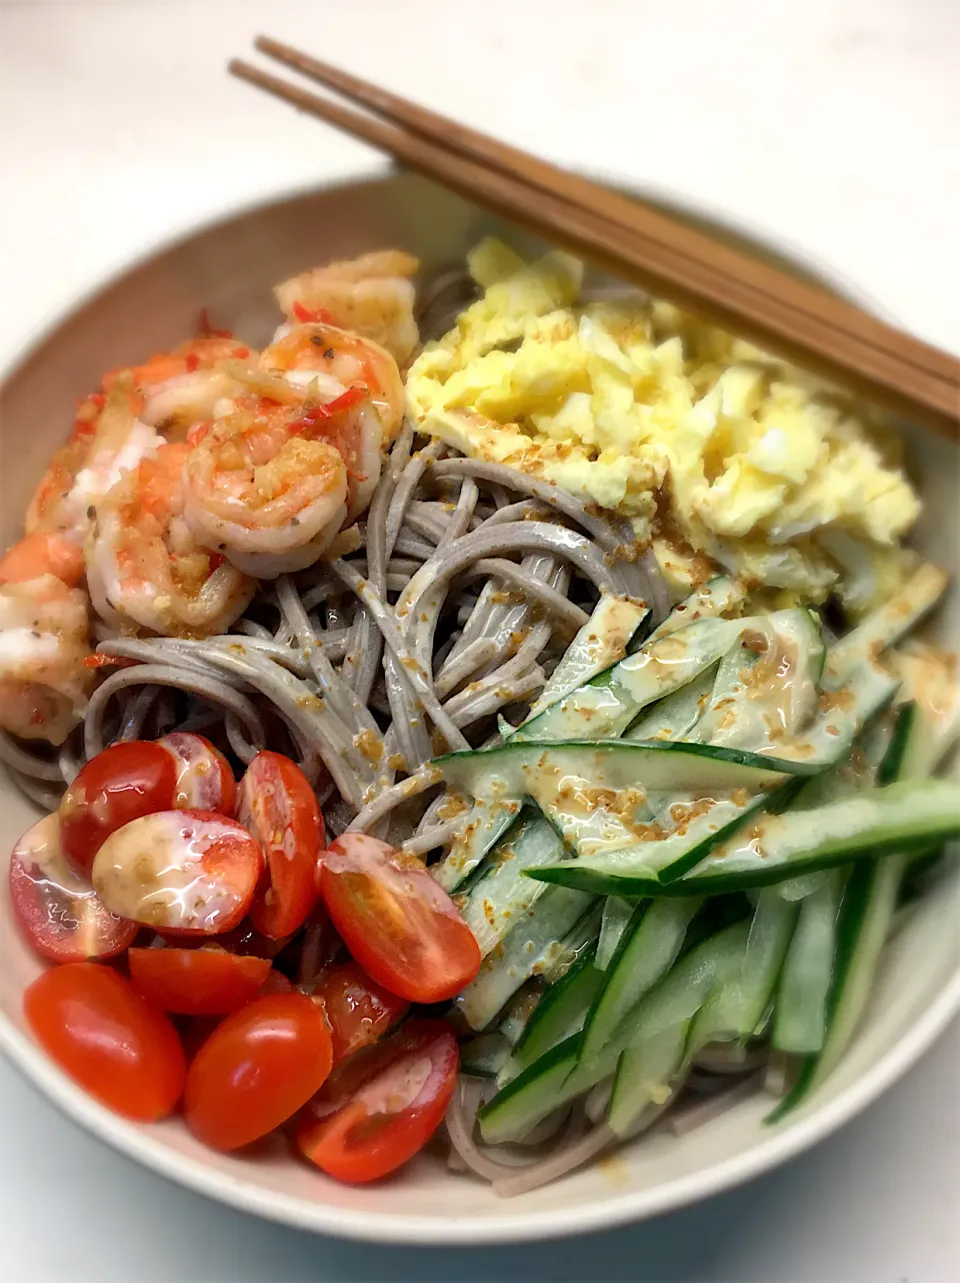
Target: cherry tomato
x=120 y=784
x=102 y=1033
x=179 y=871
x=276 y=982
x=204 y=779
x=256 y=1069
x=404 y=1089
x=197 y=982
x=57 y=907
x=398 y=923
x=359 y=1010
x=279 y=807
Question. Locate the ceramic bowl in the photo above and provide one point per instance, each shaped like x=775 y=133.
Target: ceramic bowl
x=229 y=268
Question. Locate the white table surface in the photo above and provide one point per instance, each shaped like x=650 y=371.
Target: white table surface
x=829 y=124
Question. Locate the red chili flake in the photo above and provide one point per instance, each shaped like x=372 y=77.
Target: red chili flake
x=306 y=315
x=320 y=413
x=328 y=415
x=241 y=353
x=192 y=362
x=108 y=661
x=216 y=560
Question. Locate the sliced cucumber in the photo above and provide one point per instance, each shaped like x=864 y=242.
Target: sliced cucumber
x=884 y=627
x=606 y=706
x=531 y=1096
x=484 y=1056
x=719 y=596
x=736 y=1008
x=483 y=826
x=602 y=641
x=531 y=947
x=800 y=1012
x=616 y=915
x=560 y=1013
x=675 y=717
x=662 y=766
x=766 y=688
x=866 y=911
x=646 y=1076
x=647 y=951
x=520 y=1008
x=660 y=1045
x=502 y=895
x=772 y=848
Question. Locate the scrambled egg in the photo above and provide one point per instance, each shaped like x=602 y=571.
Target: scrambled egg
x=710 y=447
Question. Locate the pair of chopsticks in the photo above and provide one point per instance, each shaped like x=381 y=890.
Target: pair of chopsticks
x=637 y=243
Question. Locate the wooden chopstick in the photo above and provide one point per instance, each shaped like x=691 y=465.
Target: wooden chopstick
x=922 y=385
x=633 y=215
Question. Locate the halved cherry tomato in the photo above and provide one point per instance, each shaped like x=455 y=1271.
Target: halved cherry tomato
x=179 y=871
x=120 y=784
x=197 y=982
x=57 y=908
x=398 y=923
x=278 y=806
x=400 y=1094
x=108 y=1038
x=359 y=1010
x=276 y=982
x=256 y=1069
x=204 y=779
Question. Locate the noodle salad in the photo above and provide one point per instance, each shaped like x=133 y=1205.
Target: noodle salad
x=396 y=796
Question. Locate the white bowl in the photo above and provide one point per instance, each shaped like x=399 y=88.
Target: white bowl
x=229 y=269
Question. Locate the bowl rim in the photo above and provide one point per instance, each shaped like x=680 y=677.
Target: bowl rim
x=631 y=1206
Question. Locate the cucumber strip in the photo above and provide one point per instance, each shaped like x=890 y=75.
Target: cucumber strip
x=616 y=915
x=605 y=706
x=842 y=715
x=519 y=1010
x=648 y=950
x=724 y=716
x=766 y=687
x=903 y=816
x=660 y=862
x=645 y=1076
x=719 y=596
x=866 y=912
x=502 y=895
x=602 y=641
x=560 y=1013
x=536 y=1092
x=675 y=717
x=661 y=1023
x=800 y=1011
x=736 y=1009
x=482 y=828
x=662 y=766
x=531 y=947
x=484 y=1056
x=884 y=627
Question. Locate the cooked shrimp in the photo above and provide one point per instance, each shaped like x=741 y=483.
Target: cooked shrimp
x=372 y=295
x=145 y=566
x=335 y=359
x=44 y=682
x=270 y=485
x=39 y=554
x=107 y=439
x=180 y=388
